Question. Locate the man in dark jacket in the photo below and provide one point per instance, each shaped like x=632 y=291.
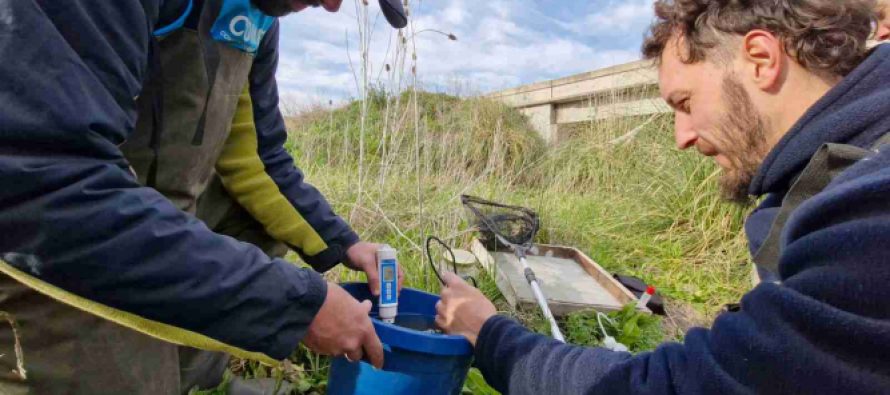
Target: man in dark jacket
x=79 y=226
x=210 y=138
x=789 y=102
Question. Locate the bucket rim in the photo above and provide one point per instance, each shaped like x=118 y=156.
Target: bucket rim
x=414 y=340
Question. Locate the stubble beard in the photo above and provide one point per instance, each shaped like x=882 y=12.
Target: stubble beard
x=743 y=138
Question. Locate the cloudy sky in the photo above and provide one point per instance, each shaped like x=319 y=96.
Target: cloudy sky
x=501 y=44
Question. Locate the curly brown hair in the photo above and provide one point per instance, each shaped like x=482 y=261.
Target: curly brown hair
x=823 y=36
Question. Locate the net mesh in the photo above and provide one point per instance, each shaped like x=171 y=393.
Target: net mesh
x=517 y=225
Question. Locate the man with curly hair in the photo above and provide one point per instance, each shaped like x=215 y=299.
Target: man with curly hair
x=788 y=100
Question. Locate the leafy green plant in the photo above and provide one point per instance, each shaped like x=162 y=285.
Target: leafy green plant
x=476 y=385
x=637 y=330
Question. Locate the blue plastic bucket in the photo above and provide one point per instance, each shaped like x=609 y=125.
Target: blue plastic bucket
x=415 y=361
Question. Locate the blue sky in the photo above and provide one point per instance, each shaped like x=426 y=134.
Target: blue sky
x=501 y=44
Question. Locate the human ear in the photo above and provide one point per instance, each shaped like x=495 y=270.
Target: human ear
x=763 y=57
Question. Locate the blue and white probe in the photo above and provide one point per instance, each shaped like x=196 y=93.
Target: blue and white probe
x=388 y=269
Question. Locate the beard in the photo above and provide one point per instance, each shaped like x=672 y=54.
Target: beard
x=280 y=8
x=742 y=135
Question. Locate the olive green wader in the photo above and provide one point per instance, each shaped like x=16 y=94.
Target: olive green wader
x=174 y=149
x=829 y=161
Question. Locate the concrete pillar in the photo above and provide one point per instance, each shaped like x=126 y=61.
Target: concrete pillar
x=543 y=119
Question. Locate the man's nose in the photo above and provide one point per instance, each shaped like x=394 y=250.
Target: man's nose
x=684 y=135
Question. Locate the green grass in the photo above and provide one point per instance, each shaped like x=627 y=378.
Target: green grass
x=639 y=207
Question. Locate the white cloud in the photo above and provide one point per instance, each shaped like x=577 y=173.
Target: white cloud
x=627 y=16
x=501 y=44
x=455 y=12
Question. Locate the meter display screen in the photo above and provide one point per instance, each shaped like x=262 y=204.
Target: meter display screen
x=389 y=273
x=388 y=290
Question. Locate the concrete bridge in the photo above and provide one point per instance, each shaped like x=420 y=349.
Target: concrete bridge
x=619 y=91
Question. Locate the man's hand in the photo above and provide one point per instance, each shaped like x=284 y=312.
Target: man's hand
x=342 y=327
x=362 y=256
x=463 y=310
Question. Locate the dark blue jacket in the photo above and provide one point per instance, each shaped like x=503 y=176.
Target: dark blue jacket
x=825 y=330
x=75 y=222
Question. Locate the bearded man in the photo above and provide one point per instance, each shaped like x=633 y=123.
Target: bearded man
x=790 y=103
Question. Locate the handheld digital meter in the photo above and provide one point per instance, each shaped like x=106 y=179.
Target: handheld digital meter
x=388 y=270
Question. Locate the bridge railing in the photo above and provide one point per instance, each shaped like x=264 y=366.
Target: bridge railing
x=614 y=92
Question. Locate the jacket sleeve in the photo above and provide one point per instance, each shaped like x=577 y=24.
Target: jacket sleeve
x=75 y=224
x=825 y=330
x=258 y=172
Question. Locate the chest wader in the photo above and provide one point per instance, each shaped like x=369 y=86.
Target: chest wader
x=176 y=152
x=829 y=161
x=186 y=112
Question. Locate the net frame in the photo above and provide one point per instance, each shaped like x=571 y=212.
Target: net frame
x=502 y=224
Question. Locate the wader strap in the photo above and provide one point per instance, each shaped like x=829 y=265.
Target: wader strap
x=829 y=161
x=211 y=62
x=152 y=80
x=157 y=110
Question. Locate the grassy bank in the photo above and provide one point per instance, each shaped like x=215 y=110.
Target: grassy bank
x=616 y=190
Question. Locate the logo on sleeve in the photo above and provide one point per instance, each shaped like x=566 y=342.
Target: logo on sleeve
x=241 y=25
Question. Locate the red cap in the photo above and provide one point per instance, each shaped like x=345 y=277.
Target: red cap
x=650 y=290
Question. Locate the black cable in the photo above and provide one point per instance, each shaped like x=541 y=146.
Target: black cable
x=429 y=256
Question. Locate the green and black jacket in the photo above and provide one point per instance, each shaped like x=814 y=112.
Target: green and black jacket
x=260 y=174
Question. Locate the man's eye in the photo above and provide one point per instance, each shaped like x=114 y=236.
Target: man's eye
x=684 y=105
